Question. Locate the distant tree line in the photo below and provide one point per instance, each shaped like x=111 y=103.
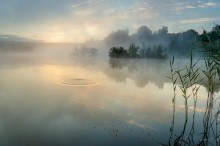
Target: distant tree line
x=178 y=44
x=134 y=51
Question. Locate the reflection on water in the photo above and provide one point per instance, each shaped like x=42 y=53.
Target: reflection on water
x=130 y=103
x=142 y=71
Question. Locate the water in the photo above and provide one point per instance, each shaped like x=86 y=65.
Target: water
x=82 y=102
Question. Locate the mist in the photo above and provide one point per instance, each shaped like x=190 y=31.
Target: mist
x=175 y=44
x=102 y=72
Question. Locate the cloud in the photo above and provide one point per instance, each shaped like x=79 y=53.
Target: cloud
x=200 y=20
x=76 y=5
x=190 y=7
x=87 y=19
x=89 y=2
x=207 y=5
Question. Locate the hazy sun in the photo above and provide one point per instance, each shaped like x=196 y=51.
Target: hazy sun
x=56 y=37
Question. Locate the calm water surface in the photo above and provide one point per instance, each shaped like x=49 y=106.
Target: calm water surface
x=86 y=102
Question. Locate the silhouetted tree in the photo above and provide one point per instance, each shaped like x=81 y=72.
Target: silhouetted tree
x=163 y=31
x=144 y=33
x=160 y=52
x=210 y=41
x=116 y=52
x=133 y=50
x=142 y=53
x=148 y=52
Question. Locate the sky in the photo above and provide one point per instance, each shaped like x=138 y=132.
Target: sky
x=80 y=20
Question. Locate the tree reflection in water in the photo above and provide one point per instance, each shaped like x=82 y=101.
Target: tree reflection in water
x=188 y=79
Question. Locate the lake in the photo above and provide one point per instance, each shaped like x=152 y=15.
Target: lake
x=88 y=101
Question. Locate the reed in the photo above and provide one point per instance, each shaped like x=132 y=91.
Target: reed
x=189 y=80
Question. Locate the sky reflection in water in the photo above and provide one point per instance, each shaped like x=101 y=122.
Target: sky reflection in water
x=75 y=103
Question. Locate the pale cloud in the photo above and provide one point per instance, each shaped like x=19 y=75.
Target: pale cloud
x=178 y=9
x=206 y=5
x=177 y=6
x=141 y=8
x=190 y=7
x=76 y=5
x=89 y=2
x=200 y=20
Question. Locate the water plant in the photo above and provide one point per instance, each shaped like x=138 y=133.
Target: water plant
x=189 y=80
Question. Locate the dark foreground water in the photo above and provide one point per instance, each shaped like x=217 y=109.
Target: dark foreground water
x=89 y=102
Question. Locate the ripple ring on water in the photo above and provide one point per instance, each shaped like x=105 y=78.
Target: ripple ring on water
x=78 y=82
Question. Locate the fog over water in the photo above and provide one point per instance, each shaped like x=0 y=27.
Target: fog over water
x=49 y=97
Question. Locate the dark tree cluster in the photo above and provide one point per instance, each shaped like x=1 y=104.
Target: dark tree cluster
x=212 y=36
x=210 y=41
x=134 y=51
x=118 y=52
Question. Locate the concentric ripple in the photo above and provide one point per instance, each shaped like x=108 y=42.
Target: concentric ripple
x=78 y=82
